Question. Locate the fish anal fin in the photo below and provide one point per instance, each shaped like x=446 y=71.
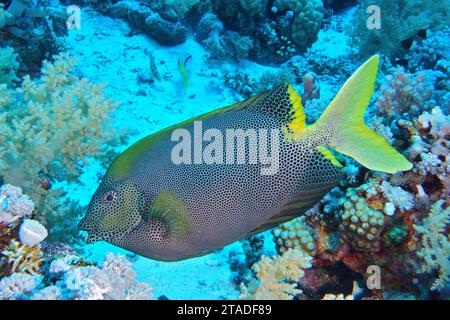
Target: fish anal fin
x=297 y=206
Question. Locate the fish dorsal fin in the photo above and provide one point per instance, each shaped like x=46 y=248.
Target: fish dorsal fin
x=169 y=209
x=283 y=103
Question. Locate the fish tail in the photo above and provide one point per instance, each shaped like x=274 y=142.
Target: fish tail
x=342 y=124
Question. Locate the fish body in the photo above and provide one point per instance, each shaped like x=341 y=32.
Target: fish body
x=169 y=211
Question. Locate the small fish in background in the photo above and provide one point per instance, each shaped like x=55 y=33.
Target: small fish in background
x=166 y=211
x=402 y=62
x=153 y=68
x=420 y=35
x=183 y=71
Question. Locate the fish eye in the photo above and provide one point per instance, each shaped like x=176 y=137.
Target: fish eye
x=110 y=196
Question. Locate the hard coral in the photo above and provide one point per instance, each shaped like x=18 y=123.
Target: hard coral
x=307 y=21
x=295 y=235
x=404 y=92
x=113 y=280
x=371 y=210
x=23 y=258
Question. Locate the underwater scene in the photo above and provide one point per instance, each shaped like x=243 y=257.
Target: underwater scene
x=224 y=150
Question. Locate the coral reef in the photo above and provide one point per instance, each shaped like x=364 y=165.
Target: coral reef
x=23 y=258
x=8 y=66
x=55 y=123
x=114 y=279
x=35 y=29
x=277 y=277
x=16 y=286
x=401 y=20
x=403 y=92
x=13 y=204
x=143 y=18
x=435 y=244
x=50 y=127
x=295 y=235
x=32 y=271
x=307 y=19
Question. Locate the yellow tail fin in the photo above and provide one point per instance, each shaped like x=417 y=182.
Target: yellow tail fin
x=343 y=124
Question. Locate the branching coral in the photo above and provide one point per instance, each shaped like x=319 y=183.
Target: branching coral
x=50 y=127
x=278 y=277
x=71 y=278
x=9 y=65
x=435 y=242
x=113 y=280
x=13 y=204
x=16 y=286
x=404 y=92
x=22 y=258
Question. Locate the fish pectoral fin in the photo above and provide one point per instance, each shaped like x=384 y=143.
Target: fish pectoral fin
x=168 y=208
